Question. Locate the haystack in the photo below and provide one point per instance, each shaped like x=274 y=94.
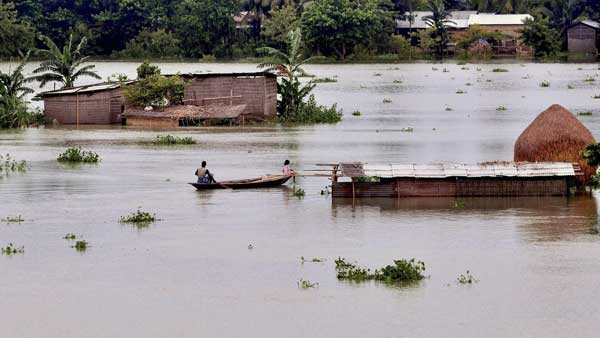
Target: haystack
x=556 y=135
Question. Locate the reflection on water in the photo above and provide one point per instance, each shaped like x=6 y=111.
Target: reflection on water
x=192 y=275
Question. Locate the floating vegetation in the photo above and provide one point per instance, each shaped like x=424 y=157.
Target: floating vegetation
x=446 y=70
x=465 y=68
x=139 y=218
x=356 y=113
x=459 y=204
x=449 y=109
x=306 y=284
x=596 y=97
x=589 y=79
x=501 y=108
x=80 y=245
x=250 y=246
x=460 y=91
x=434 y=69
x=168 y=140
x=70 y=237
x=386 y=101
x=13 y=219
x=594 y=231
x=11 y=250
x=77 y=155
x=298 y=192
x=545 y=84
x=314 y=260
x=397 y=81
x=585 y=113
x=466 y=278
x=468 y=84
x=461 y=63
x=500 y=70
x=570 y=87
x=403 y=270
x=10 y=165
x=478 y=69
x=376 y=74
x=325 y=80
x=407 y=130
x=488 y=80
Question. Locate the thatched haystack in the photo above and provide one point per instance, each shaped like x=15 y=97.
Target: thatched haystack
x=556 y=135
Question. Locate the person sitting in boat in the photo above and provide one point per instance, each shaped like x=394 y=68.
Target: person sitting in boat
x=204 y=176
x=286 y=170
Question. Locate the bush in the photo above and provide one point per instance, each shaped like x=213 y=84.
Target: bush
x=156 y=91
x=538 y=35
x=172 y=140
x=311 y=112
x=76 y=155
x=139 y=218
x=146 y=70
x=9 y=165
x=403 y=270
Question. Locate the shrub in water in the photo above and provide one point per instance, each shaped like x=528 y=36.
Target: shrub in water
x=306 y=284
x=466 y=278
x=81 y=245
x=9 y=165
x=356 y=113
x=13 y=219
x=11 y=250
x=403 y=270
x=499 y=70
x=172 y=140
x=77 y=155
x=139 y=218
x=325 y=80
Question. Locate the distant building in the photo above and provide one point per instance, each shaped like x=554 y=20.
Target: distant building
x=405 y=25
x=582 y=37
x=207 y=96
x=507 y=24
x=243 y=20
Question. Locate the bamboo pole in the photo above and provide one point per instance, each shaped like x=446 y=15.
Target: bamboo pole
x=77 y=108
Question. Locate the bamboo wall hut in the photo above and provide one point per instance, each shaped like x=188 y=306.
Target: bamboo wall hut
x=556 y=135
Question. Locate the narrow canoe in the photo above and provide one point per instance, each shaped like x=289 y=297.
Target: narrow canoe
x=252 y=183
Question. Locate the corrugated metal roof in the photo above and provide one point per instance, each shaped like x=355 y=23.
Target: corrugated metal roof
x=445 y=170
x=590 y=23
x=498 y=19
x=459 y=20
x=97 y=87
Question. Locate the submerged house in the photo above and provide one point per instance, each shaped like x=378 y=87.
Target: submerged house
x=207 y=96
x=583 y=36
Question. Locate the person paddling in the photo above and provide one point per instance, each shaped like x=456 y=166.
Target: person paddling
x=204 y=175
x=286 y=170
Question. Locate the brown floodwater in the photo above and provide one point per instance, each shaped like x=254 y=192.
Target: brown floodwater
x=191 y=274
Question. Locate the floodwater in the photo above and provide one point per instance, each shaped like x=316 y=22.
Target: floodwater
x=192 y=274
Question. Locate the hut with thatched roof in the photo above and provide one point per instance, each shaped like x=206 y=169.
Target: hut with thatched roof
x=556 y=135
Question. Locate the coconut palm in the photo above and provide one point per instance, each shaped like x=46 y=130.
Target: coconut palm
x=439 y=21
x=64 y=66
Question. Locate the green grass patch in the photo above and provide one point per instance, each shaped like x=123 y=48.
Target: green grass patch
x=10 y=250
x=168 y=140
x=403 y=270
x=77 y=155
x=585 y=113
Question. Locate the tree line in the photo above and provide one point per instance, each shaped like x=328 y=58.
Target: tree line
x=206 y=28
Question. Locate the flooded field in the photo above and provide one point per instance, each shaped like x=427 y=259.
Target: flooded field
x=192 y=274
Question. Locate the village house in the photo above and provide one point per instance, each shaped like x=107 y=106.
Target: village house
x=210 y=96
x=583 y=36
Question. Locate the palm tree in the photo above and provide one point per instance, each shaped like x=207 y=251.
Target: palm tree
x=63 y=66
x=439 y=21
x=289 y=66
x=13 y=84
x=13 y=107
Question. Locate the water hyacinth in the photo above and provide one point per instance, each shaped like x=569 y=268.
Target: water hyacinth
x=77 y=155
x=10 y=165
x=403 y=270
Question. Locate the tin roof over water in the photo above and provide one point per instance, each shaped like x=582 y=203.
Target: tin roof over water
x=445 y=170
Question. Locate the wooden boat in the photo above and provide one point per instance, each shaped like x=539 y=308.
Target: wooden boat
x=252 y=183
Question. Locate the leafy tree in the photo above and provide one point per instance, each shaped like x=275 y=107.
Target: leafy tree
x=64 y=66
x=13 y=106
x=155 y=44
x=14 y=35
x=146 y=70
x=276 y=28
x=538 y=35
x=340 y=25
x=153 y=89
x=439 y=21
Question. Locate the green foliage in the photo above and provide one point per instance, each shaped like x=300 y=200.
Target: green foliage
x=595 y=181
x=15 y=35
x=276 y=27
x=466 y=278
x=64 y=66
x=173 y=140
x=544 y=84
x=156 y=44
x=298 y=192
x=544 y=40
x=500 y=70
x=13 y=219
x=356 y=113
x=70 y=237
x=591 y=153
x=10 y=165
x=81 y=245
x=14 y=112
x=306 y=284
x=153 y=89
x=501 y=108
x=77 y=155
x=10 y=250
x=139 y=218
x=325 y=80
x=585 y=113
x=403 y=270
x=386 y=101
x=313 y=260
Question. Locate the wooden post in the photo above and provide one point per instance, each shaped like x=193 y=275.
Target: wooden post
x=231 y=97
x=353 y=191
x=77 y=108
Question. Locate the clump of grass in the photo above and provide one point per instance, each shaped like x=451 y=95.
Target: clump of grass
x=70 y=237
x=596 y=97
x=306 y=284
x=11 y=250
x=356 y=113
x=298 y=192
x=10 y=165
x=501 y=108
x=81 y=245
x=77 y=155
x=168 y=140
x=139 y=218
x=594 y=231
x=460 y=91
x=466 y=278
x=397 y=81
x=325 y=80
x=376 y=74
x=407 y=130
x=13 y=219
x=403 y=270
x=314 y=260
x=570 y=87
x=465 y=68
x=585 y=113
x=386 y=101
x=459 y=204
x=589 y=79
x=500 y=70
x=545 y=84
